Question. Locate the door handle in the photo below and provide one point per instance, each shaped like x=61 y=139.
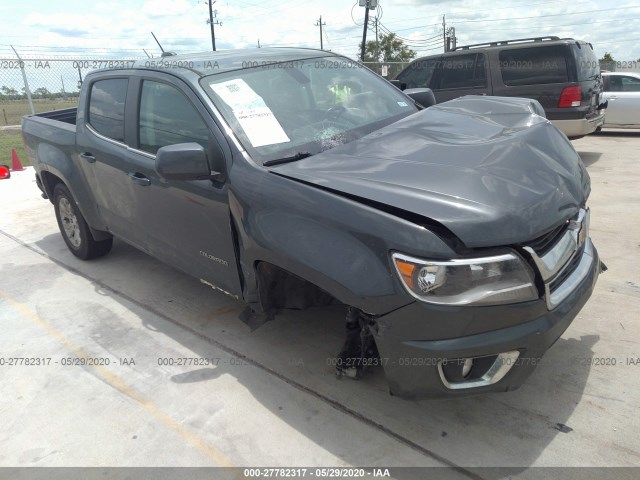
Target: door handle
x=139 y=179
x=88 y=156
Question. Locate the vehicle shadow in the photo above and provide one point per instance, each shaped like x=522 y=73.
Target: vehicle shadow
x=499 y=430
x=618 y=133
x=589 y=158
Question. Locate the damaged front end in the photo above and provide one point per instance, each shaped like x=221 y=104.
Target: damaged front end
x=359 y=351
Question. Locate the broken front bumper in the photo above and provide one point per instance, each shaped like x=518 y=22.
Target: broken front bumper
x=422 y=345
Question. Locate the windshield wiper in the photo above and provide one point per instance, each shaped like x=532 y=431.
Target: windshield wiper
x=292 y=158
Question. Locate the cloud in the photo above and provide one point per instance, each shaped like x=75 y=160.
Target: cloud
x=70 y=32
x=166 y=8
x=181 y=24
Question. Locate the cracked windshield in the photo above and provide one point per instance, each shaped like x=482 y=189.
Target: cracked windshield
x=304 y=107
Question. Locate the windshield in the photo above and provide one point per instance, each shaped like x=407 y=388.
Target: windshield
x=304 y=107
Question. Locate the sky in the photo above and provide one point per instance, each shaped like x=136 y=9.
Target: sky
x=121 y=29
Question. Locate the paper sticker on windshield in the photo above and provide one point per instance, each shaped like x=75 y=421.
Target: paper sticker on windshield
x=403 y=104
x=255 y=117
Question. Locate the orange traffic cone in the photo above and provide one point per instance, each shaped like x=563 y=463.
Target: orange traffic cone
x=16 y=166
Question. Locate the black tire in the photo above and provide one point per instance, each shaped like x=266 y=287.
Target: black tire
x=74 y=228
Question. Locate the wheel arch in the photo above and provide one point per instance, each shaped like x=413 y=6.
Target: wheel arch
x=49 y=181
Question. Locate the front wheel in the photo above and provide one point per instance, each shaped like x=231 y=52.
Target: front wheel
x=74 y=228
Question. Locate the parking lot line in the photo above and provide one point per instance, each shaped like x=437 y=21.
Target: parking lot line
x=117 y=383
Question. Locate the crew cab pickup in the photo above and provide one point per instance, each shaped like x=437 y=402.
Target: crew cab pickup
x=456 y=236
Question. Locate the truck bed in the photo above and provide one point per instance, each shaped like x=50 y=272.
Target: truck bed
x=67 y=115
x=50 y=136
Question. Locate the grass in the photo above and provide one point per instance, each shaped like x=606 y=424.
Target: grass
x=11 y=111
x=8 y=140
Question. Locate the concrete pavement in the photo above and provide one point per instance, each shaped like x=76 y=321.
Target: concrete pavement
x=269 y=397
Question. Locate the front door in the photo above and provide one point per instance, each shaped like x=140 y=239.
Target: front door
x=186 y=223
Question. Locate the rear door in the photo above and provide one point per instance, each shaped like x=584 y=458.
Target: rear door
x=104 y=154
x=623 y=94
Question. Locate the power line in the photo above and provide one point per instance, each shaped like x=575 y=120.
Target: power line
x=546 y=26
x=543 y=16
x=404 y=39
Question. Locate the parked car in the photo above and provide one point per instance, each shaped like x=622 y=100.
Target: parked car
x=562 y=74
x=456 y=236
x=622 y=92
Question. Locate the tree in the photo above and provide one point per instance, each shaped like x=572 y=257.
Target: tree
x=41 y=92
x=607 y=58
x=607 y=62
x=8 y=90
x=390 y=49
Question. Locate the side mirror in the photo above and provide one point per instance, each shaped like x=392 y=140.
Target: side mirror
x=184 y=161
x=423 y=96
x=398 y=84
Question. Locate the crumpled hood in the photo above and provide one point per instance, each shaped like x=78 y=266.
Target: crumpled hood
x=488 y=168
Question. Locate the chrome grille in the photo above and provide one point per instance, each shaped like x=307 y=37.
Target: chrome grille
x=546 y=241
x=566 y=271
x=558 y=254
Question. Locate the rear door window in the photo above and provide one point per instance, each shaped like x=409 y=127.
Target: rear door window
x=536 y=65
x=106 y=107
x=461 y=71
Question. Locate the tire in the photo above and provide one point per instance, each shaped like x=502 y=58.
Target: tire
x=74 y=228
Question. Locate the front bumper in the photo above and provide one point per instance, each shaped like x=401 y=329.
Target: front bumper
x=417 y=340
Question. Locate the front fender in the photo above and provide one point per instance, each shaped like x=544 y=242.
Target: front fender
x=339 y=244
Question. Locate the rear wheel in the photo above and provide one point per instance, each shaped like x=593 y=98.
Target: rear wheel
x=74 y=228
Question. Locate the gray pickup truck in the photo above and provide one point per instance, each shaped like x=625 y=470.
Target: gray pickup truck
x=456 y=236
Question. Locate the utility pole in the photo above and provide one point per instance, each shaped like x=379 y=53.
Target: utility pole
x=320 y=24
x=375 y=22
x=212 y=23
x=444 y=33
x=364 y=29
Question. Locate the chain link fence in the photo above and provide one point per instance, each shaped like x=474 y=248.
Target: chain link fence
x=32 y=85
x=40 y=84
x=387 y=70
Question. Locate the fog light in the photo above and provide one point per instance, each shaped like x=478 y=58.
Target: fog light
x=460 y=373
x=466 y=366
x=458 y=369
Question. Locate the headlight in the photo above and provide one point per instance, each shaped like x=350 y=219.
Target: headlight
x=492 y=280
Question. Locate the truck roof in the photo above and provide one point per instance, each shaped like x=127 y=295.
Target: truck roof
x=207 y=63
